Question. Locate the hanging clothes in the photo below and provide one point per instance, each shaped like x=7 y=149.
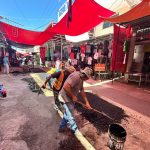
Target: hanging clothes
x=89 y=60
x=96 y=55
x=42 y=53
x=82 y=57
x=71 y=55
x=82 y=48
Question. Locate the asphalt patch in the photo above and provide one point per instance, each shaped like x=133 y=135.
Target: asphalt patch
x=36 y=70
x=33 y=86
x=100 y=121
x=24 y=71
x=16 y=73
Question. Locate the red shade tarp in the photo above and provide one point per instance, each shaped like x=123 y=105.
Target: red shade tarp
x=117 y=51
x=139 y=11
x=23 y=36
x=85 y=16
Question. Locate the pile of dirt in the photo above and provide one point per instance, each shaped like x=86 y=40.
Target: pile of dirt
x=71 y=143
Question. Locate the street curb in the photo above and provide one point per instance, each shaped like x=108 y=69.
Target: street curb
x=85 y=143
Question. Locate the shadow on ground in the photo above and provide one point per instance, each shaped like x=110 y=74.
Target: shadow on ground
x=108 y=113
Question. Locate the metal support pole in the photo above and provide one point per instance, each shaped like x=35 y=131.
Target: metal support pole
x=61 y=48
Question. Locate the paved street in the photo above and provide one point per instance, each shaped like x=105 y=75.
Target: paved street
x=128 y=95
x=28 y=121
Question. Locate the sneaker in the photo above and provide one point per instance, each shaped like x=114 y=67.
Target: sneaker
x=55 y=107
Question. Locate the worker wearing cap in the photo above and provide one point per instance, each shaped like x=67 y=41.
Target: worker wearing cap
x=68 y=94
x=60 y=78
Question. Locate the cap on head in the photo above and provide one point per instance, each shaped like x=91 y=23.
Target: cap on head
x=87 y=71
x=70 y=68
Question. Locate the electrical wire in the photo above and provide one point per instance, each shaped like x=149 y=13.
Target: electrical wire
x=52 y=10
x=41 y=26
x=21 y=12
x=12 y=21
x=46 y=12
x=21 y=18
x=45 y=9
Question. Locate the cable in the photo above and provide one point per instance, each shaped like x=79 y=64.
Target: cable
x=20 y=10
x=41 y=26
x=46 y=7
x=12 y=21
x=21 y=18
x=52 y=10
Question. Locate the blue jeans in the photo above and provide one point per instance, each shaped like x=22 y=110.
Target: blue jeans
x=68 y=118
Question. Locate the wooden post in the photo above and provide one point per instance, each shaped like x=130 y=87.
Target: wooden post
x=131 y=53
x=130 y=56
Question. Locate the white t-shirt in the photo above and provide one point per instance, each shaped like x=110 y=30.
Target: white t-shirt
x=89 y=60
x=74 y=62
x=78 y=55
x=100 y=53
x=82 y=57
x=96 y=55
x=57 y=66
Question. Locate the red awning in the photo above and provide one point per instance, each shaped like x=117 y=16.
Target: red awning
x=139 y=11
x=85 y=16
x=23 y=36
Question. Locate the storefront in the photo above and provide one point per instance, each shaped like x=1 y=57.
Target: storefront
x=137 y=60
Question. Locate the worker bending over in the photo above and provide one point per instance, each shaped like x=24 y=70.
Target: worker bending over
x=57 y=85
x=72 y=86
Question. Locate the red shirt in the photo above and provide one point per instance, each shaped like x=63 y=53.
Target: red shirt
x=82 y=47
x=71 y=55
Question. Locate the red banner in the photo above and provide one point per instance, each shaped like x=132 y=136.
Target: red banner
x=118 y=55
x=42 y=53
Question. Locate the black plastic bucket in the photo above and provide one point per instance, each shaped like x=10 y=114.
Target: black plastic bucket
x=117 y=137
